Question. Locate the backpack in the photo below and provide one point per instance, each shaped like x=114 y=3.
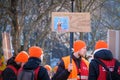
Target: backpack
x=111 y=75
x=28 y=74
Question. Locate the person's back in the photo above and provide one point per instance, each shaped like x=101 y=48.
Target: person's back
x=10 y=72
x=111 y=69
x=34 y=62
x=101 y=53
x=96 y=70
x=31 y=74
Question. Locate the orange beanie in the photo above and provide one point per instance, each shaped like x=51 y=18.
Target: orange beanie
x=48 y=67
x=79 y=44
x=22 y=57
x=35 y=51
x=55 y=68
x=101 y=44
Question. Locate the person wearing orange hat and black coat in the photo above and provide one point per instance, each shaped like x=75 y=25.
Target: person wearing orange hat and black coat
x=96 y=71
x=21 y=58
x=78 y=69
x=35 y=55
x=10 y=72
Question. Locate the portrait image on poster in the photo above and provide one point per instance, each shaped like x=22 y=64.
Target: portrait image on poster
x=61 y=24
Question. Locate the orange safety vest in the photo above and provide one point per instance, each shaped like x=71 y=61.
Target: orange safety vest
x=83 y=70
x=102 y=72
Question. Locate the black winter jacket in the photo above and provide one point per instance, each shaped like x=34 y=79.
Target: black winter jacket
x=32 y=64
x=94 y=67
x=9 y=74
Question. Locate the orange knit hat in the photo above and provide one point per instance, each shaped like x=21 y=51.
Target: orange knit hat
x=22 y=57
x=101 y=44
x=79 y=44
x=55 y=69
x=48 y=67
x=35 y=51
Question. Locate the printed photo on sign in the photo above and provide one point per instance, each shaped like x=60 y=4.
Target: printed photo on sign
x=61 y=24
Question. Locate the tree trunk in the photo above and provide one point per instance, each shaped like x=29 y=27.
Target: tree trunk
x=15 y=27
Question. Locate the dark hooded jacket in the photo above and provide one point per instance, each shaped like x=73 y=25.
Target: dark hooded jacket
x=103 y=54
x=32 y=64
x=8 y=73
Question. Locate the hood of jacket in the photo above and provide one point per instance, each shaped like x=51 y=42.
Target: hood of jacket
x=32 y=63
x=104 y=54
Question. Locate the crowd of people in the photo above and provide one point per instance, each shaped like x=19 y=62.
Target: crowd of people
x=71 y=67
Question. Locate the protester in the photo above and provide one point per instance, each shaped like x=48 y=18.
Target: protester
x=10 y=72
x=49 y=70
x=102 y=53
x=21 y=59
x=34 y=61
x=78 y=69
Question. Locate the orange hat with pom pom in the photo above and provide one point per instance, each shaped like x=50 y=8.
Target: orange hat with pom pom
x=48 y=67
x=35 y=51
x=22 y=57
x=78 y=44
x=101 y=44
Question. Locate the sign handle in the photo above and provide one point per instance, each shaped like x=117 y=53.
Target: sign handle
x=71 y=35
